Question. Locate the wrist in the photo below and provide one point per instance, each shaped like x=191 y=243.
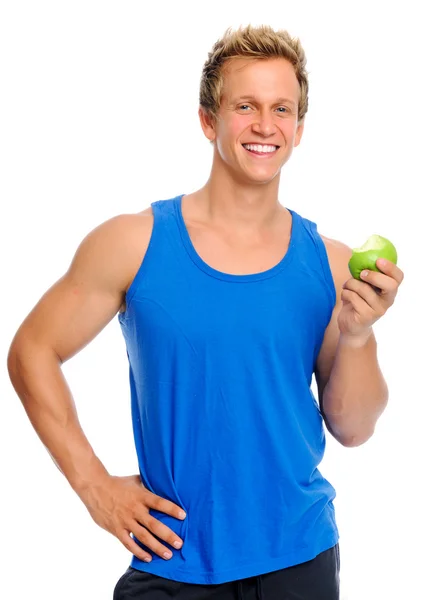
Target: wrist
x=356 y=340
x=93 y=476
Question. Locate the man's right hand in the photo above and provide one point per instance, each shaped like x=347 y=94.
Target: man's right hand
x=121 y=506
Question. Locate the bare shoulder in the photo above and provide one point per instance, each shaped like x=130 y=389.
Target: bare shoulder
x=139 y=231
x=335 y=247
x=128 y=237
x=110 y=254
x=135 y=233
x=338 y=255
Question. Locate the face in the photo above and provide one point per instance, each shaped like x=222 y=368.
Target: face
x=259 y=105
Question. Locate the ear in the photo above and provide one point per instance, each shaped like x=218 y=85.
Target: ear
x=299 y=133
x=207 y=123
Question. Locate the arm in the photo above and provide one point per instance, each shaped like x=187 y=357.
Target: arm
x=355 y=393
x=352 y=390
x=69 y=315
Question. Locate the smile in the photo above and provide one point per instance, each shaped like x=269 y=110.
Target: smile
x=264 y=151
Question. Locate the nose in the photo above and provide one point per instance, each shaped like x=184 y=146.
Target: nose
x=265 y=123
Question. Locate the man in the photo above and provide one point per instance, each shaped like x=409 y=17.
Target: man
x=229 y=302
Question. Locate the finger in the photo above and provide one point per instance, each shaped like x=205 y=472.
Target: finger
x=162 y=505
x=389 y=268
x=144 y=536
x=134 y=548
x=161 y=531
x=384 y=283
x=360 y=305
x=366 y=292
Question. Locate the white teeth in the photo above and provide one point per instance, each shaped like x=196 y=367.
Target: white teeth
x=259 y=148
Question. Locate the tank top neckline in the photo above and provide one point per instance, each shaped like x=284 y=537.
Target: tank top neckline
x=280 y=266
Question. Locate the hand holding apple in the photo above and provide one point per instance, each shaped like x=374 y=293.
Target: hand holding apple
x=372 y=289
x=366 y=256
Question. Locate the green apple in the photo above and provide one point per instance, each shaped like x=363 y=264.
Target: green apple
x=365 y=257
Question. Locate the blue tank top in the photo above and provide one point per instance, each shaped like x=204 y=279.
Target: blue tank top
x=225 y=423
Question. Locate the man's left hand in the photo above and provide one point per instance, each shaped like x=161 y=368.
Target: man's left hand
x=364 y=302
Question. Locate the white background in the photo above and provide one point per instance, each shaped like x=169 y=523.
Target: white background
x=98 y=110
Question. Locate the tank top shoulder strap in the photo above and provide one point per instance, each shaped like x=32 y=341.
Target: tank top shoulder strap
x=163 y=248
x=318 y=258
x=165 y=222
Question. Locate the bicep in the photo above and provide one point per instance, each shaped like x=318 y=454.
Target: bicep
x=81 y=303
x=69 y=315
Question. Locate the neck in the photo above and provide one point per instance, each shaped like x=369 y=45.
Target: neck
x=238 y=206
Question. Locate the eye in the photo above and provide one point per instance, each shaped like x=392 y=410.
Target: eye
x=247 y=106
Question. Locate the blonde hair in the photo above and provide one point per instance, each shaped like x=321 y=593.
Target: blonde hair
x=261 y=42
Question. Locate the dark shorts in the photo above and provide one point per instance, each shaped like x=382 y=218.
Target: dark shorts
x=316 y=579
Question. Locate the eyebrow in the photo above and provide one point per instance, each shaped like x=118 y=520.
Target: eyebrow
x=279 y=100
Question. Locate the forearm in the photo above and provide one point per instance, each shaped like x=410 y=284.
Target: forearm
x=356 y=393
x=37 y=378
